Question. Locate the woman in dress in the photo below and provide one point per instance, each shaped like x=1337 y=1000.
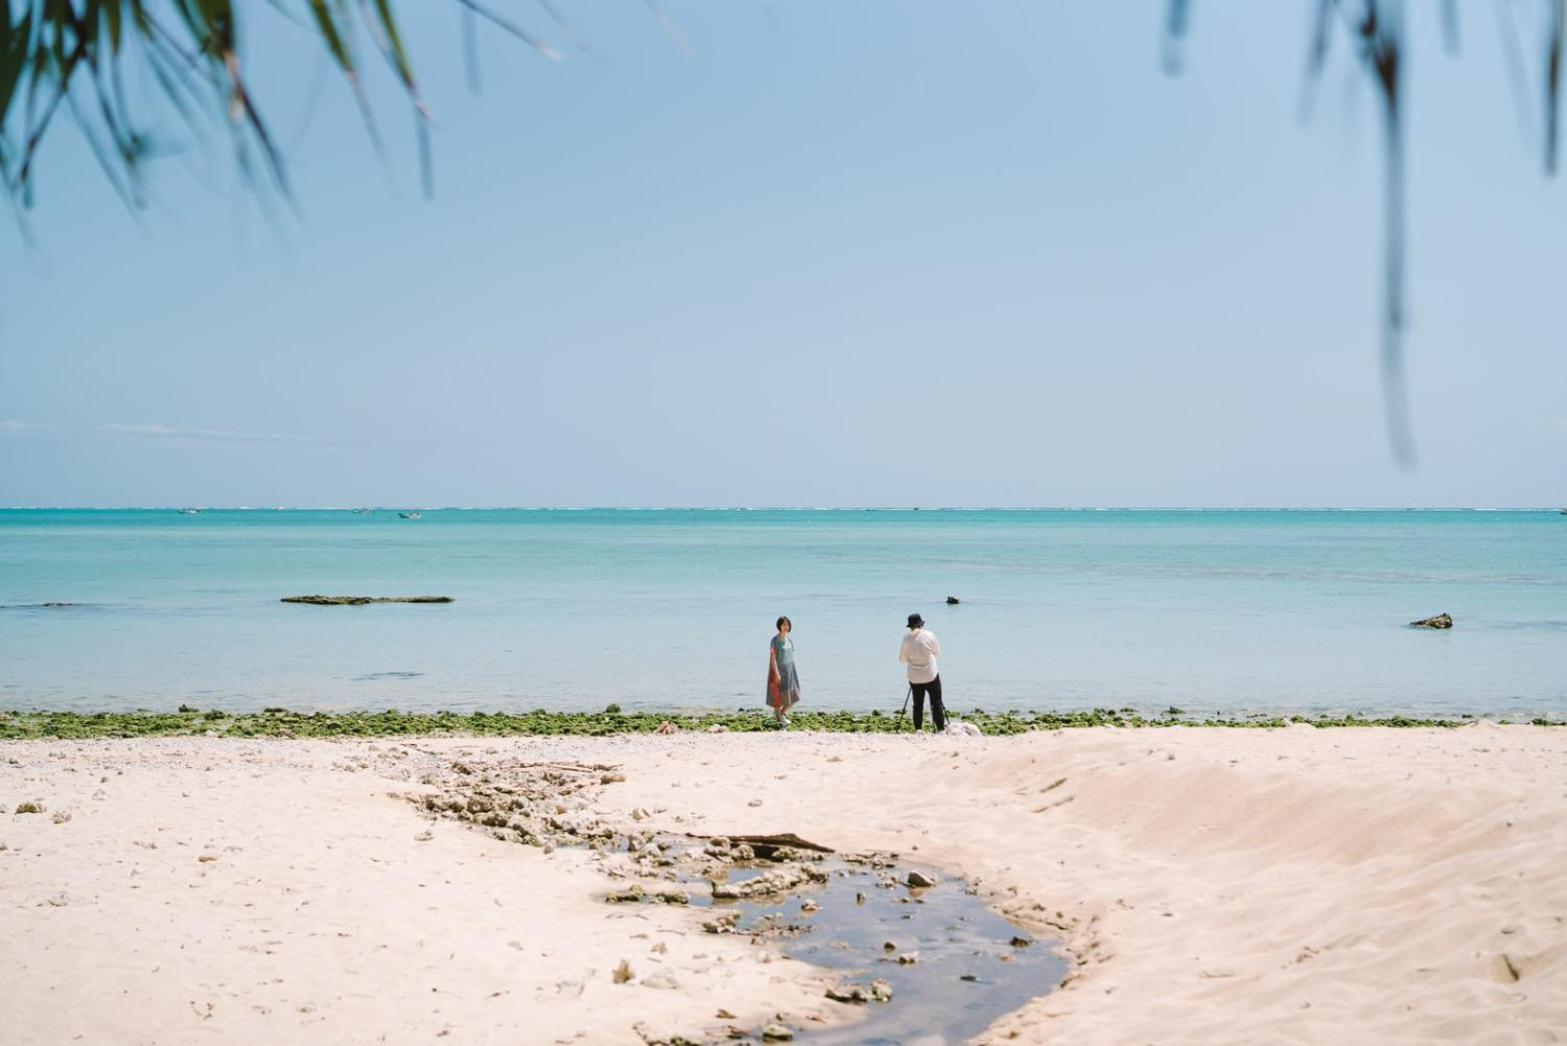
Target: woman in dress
x=783 y=685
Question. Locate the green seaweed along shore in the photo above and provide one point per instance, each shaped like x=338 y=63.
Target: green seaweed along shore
x=280 y=722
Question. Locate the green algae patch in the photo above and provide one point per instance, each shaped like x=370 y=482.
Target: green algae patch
x=280 y=722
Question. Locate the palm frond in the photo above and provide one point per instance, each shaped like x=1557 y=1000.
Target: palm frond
x=1377 y=32
x=68 y=56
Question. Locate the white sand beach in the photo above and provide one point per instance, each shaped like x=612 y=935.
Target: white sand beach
x=1210 y=885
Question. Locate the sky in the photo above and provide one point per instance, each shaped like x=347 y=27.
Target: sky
x=807 y=253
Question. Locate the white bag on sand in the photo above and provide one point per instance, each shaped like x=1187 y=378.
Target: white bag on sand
x=957 y=729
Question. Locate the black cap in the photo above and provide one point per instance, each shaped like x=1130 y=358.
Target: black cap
x=915 y=621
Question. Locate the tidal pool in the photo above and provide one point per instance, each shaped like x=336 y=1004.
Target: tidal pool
x=970 y=965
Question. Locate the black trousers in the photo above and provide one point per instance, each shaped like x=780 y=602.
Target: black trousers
x=938 y=714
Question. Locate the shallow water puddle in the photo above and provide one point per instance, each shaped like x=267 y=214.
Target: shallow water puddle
x=916 y=966
x=967 y=970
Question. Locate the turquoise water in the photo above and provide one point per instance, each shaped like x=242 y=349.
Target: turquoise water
x=1210 y=611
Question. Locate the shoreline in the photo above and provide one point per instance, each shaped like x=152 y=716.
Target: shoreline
x=1208 y=885
x=283 y=723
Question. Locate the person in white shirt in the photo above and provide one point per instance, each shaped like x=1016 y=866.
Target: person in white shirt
x=919 y=651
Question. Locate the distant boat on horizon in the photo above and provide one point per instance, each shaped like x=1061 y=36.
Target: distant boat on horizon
x=410 y=515
x=362 y=511
x=190 y=511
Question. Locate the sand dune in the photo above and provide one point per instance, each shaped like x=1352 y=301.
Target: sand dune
x=1293 y=885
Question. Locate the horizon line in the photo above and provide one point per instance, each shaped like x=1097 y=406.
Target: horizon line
x=784 y=508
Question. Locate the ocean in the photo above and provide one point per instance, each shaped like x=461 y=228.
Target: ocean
x=1207 y=611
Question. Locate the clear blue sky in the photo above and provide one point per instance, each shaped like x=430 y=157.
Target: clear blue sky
x=876 y=253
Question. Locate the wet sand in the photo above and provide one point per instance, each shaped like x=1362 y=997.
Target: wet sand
x=1293 y=885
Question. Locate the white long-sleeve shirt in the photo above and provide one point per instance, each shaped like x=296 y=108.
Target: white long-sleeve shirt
x=919 y=651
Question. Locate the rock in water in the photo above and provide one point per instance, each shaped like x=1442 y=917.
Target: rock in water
x=919 y=880
x=876 y=991
x=774 y=881
x=1440 y=621
x=952 y=601
x=725 y=923
x=359 y=601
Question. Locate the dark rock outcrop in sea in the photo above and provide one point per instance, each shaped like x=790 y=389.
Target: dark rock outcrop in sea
x=359 y=601
x=1440 y=621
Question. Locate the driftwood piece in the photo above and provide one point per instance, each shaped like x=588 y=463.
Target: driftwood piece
x=770 y=842
x=359 y=601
